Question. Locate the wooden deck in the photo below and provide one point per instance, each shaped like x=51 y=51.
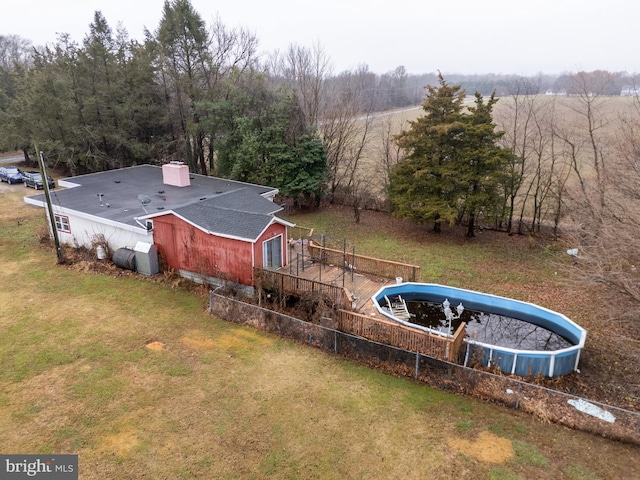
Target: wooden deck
x=360 y=286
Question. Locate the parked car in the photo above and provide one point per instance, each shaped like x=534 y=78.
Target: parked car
x=34 y=180
x=10 y=175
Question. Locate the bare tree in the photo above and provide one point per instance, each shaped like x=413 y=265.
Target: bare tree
x=517 y=119
x=345 y=131
x=359 y=194
x=536 y=177
x=389 y=152
x=590 y=167
x=194 y=60
x=612 y=256
x=305 y=70
x=559 y=175
x=553 y=151
x=14 y=50
x=604 y=203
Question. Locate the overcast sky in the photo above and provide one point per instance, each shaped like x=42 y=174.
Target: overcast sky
x=463 y=36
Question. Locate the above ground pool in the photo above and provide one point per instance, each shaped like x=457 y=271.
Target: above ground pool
x=519 y=337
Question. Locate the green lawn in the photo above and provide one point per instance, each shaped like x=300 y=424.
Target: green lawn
x=497 y=267
x=223 y=401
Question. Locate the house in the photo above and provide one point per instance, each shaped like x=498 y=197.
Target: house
x=201 y=225
x=630 y=91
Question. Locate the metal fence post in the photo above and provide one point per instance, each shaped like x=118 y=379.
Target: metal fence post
x=417 y=364
x=353 y=261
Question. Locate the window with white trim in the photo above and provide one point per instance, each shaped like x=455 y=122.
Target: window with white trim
x=62 y=223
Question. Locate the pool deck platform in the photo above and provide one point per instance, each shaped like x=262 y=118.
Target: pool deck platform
x=361 y=286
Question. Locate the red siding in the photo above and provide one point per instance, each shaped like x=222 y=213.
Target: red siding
x=273 y=231
x=186 y=247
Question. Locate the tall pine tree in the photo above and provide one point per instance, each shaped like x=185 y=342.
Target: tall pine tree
x=425 y=185
x=453 y=163
x=483 y=163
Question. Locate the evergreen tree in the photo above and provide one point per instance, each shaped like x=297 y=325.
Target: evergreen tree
x=183 y=46
x=102 y=96
x=425 y=185
x=482 y=165
x=453 y=165
x=92 y=107
x=267 y=142
x=50 y=104
x=14 y=64
x=144 y=127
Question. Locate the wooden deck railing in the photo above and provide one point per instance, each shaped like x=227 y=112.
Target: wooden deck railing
x=369 y=265
x=290 y=284
x=381 y=331
x=456 y=342
x=297 y=232
x=400 y=336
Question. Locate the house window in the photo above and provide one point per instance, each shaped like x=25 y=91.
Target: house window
x=62 y=223
x=272 y=253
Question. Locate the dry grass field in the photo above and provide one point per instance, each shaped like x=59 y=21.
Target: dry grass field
x=568 y=116
x=135 y=377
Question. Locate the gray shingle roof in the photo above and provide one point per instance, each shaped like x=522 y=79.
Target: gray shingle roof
x=222 y=221
x=243 y=200
x=217 y=205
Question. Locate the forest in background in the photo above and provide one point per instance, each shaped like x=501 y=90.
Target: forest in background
x=205 y=95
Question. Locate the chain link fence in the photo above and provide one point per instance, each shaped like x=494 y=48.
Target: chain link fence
x=550 y=405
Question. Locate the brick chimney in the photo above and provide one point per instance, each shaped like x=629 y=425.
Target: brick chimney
x=176 y=174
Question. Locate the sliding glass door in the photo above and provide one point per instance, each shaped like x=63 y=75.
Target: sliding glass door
x=272 y=253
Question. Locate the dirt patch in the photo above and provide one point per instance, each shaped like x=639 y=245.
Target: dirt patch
x=121 y=444
x=487 y=447
x=239 y=339
x=155 y=345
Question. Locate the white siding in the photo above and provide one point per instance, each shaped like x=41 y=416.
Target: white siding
x=84 y=230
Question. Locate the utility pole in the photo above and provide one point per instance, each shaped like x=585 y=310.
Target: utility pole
x=47 y=196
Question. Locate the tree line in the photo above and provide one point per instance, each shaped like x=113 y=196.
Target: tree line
x=566 y=165
x=204 y=95
x=191 y=92
x=577 y=173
